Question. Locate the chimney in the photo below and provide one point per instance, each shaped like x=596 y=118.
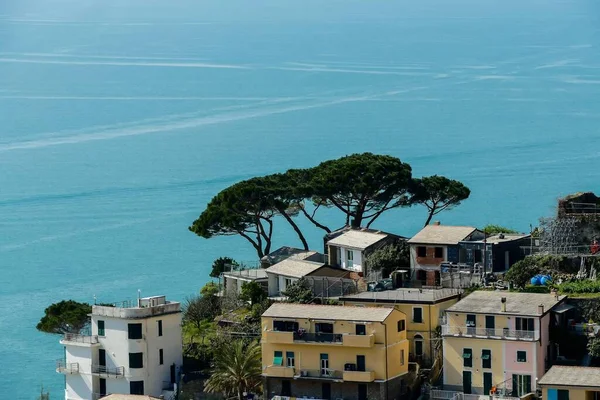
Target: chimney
x=555 y=293
x=437 y=223
x=503 y=300
x=541 y=309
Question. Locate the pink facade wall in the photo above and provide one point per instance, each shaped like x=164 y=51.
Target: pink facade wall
x=510 y=358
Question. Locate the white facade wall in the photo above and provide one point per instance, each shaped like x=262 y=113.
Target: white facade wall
x=357 y=262
x=79 y=385
x=279 y=283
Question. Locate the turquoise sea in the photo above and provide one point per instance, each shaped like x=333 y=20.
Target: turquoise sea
x=119 y=119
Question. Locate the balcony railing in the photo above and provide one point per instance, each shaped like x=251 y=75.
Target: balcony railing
x=449 y=395
x=495 y=333
x=64 y=367
x=323 y=373
x=358 y=340
x=318 y=337
x=75 y=338
x=104 y=370
x=359 y=376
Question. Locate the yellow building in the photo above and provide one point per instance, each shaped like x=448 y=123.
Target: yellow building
x=334 y=352
x=424 y=309
x=496 y=339
x=571 y=383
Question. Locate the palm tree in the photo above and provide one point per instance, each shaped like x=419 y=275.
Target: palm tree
x=237 y=369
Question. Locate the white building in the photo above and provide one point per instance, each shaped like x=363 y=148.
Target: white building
x=349 y=249
x=133 y=349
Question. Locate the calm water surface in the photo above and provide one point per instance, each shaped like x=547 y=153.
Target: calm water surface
x=120 y=119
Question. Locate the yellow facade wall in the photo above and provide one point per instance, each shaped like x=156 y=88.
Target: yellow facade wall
x=454 y=361
x=307 y=355
x=460 y=319
x=431 y=320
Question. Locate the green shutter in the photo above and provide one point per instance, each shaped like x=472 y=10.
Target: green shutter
x=278 y=358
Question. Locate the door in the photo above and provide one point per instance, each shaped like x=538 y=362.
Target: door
x=471 y=323
x=326 y=390
x=467 y=382
x=324 y=364
x=506 y=260
x=362 y=391
x=490 y=325
x=102 y=386
x=350 y=259
x=487 y=383
x=521 y=385
x=361 y=363
x=418 y=348
x=286 y=388
x=172 y=373
x=102 y=357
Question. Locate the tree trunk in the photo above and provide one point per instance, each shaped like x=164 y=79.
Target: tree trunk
x=358 y=217
x=240 y=393
x=296 y=228
x=431 y=213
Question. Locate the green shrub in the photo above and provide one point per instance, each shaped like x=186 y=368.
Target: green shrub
x=580 y=287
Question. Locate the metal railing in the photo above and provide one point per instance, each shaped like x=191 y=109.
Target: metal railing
x=451 y=395
x=104 y=370
x=498 y=333
x=323 y=373
x=318 y=337
x=76 y=338
x=67 y=368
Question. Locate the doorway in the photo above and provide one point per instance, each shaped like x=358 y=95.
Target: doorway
x=467 y=389
x=487 y=383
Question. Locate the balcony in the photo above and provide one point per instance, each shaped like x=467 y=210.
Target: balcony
x=490 y=333
x=62 y=367
x=450 y=395
x=358 y=340
x=85 y=340
x=359 y=376
x=327 y=338
x=106 y=371
x=278 y=371
x=279 y=337
x=321 y=374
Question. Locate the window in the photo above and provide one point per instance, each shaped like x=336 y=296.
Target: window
x=401 y=325
x=285 y=326
x=421 y=251
x=524 y=324
x=521 y=385
x=324 y=364
x=471 y=320
x=101 y=328
x=134 y=331
x=439 y=252
x=521 y=356
x=288 y=282
x=323 y=327
x=468 y=358
x=350 y=255
x=278 y=358
x=102 y=386
x=417 y=314
x=490 y=325
x=136 y=360
x=402 y=357
x=160 y=357
x=361 y=329
x=562 y=394
x=486 y=359
x=291 y=362
x=159 y=327
x=136 y=387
